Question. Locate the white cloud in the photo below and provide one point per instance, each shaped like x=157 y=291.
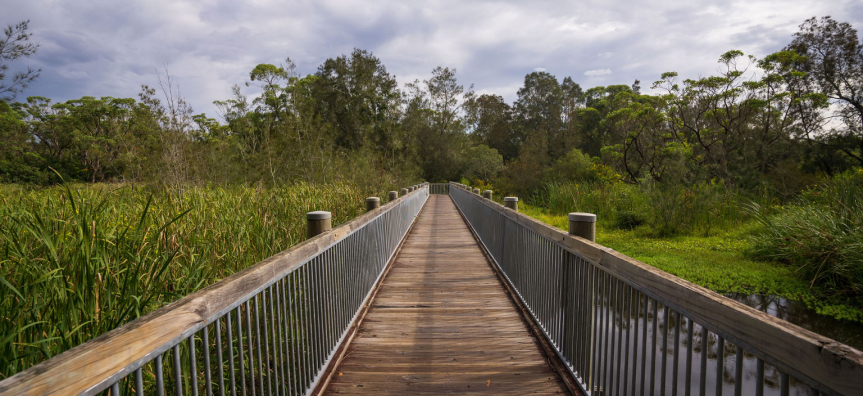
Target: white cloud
x=95 y=48
x=539 y=69
x=597 y=72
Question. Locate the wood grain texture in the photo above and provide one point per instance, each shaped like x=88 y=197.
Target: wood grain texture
x=828 y=362
x=442 y=323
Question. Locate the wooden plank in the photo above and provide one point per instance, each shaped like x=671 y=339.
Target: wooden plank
x=442 y=323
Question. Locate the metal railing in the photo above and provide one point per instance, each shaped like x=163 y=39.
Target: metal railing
x=439 y=188
x=625 y=328
x=270 y=329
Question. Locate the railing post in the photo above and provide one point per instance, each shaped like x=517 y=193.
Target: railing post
x=486 y=194
x=404 y=191
x=372 y=203
x=511 y=202
x=476 y=191
x=392 y=196
x=583 y=225
x=318 y=222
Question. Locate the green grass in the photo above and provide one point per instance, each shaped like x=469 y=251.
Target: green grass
x=718 y=262
x=77 y=262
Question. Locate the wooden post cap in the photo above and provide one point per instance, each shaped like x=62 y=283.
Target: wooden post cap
x=319 y=215
x=318 y=222
x=511 y=202
x=476 y=191
x=583 y=225
x=392 y=195
x=583 y=217
x=372 y=203
x=404 y=191
x=486 y=194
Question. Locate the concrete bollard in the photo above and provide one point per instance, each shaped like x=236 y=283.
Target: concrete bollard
x=372 y=203
x=511 y=202
x=404 y=191
x=486 y=194
x=318 y=222
x=583 y=225
x=476 y=191
x=392 y=196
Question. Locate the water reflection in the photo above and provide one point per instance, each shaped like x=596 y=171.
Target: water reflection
x=644 y=348
x=846 y=332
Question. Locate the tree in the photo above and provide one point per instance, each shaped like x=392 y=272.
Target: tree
x=490 y=119
x=15 y=44
x=833 y=66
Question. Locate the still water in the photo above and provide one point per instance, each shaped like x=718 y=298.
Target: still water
x=646 y=353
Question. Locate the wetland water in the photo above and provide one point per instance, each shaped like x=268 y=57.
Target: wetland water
x=647 y=353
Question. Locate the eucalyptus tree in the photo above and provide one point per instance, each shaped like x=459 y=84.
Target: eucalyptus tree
x=14 y=44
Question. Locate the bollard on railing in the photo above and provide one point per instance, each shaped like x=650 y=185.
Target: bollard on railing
x=392 y=196
x=487 y=194
x=372 y=203
x=404 y=191
x=476 y=191
x=511 y=202
x=318 y=222
x=583 y=225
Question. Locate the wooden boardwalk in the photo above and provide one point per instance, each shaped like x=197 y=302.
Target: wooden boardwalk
x=442 y=323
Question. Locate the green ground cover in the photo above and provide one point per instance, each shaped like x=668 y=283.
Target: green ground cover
x=719 y=262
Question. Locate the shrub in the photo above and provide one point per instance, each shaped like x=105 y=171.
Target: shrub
x=821 y=235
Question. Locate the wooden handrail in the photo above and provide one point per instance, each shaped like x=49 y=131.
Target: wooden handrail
x=807 y=354
x=104 y=360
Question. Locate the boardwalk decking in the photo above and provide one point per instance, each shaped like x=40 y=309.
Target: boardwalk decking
x=442 y=323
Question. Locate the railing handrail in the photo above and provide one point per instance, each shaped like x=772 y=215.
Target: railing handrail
x=102 y=361
x=804 y=353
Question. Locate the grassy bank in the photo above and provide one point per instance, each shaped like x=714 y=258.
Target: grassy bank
x=720 y=261
x=76 y=262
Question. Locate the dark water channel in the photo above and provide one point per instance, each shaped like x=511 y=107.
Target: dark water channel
x=648 y=349
x=844 y=331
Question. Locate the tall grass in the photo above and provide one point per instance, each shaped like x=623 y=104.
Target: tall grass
x=821 y=235
x=78 y=261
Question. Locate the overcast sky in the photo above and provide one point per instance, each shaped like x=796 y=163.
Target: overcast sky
x=110 y=48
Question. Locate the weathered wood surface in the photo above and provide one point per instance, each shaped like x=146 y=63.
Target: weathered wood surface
x=442 y=323
x=826 y=361
x=103 y=360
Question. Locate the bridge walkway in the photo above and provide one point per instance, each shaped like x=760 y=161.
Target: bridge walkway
x=442 y=322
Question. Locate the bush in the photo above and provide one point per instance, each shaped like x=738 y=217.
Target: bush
x=821 y=235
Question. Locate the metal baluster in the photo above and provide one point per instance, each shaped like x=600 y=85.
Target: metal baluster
x=160 y=379
x=208 y=381
x=193 y=369
x=620 y=304
x=231 y=353
x=139 y=382
x=654 y=337
x=703 y=385
x=644 y=346
x=267 y=300
x=178 y=375
x=240 y=351
x=676 y=362
x=664 y=349
x=759 y=377
x=219 y=356
x=115 y=389
x=254 y=344
x=783 y=384
x=720 y=363
x=628 y=334
x=738 y=371
x=688 y=382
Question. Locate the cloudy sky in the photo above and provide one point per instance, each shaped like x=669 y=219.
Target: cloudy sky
x=110 y=48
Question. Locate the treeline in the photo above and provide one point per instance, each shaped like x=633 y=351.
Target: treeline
x=760 y=124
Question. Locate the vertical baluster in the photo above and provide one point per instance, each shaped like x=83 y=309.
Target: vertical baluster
x=160 y=377
x=653 y=337
x=759 y=377
x=783 y=384
x=628 y=333
x=703 y=380
x=208 y=381
x=115 y=389
x=675 y=364
x=254 y=346
x=193 y=369
x=139 y=382
x=178 y=374
x=241 y=351
x=231 y=354
x=688 y=381
x=269 y=341
x=738 y=371
x=614 y=378
x=636 y=327
x=664 y=350
x=644 y=347
x=219 y=356
x=720 y=363
x=307 y=327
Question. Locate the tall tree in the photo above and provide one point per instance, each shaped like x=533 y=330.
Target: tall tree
x=15 y=43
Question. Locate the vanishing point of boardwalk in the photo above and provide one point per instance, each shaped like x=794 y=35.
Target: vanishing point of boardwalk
x=442 y=323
